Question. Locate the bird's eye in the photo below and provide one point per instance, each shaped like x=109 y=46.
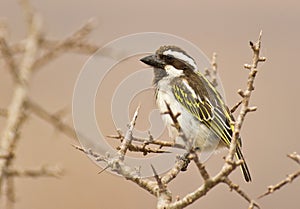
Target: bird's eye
x=168 y=58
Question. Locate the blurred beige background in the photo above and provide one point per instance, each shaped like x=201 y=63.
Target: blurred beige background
x=224 y=27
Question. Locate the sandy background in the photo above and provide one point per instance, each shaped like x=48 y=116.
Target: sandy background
x=223 y=27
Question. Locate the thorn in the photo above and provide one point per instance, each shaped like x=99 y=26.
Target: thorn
x=177 y=115
x=236 y=106
x=104 y=169
x=165 y=113
x=78 y=148
x=154 y=171
x=251 y=109
x=260 y=35
x=241 y=93
x=247 y=66
x=150 y=136
x=114 y=136
x=262 y=59
x=251 y=44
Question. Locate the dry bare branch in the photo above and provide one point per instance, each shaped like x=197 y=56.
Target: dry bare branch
x=80 y=46
x=280 y=184
x=128 y=136
x=246 y=96
x=164 y=196
x=243 y=194
x=147 y=141
x=143 y=149
x=63 y=46
x=17 y=107
x=53 y=119
x=180 y=165
x=271 y=189
x=201 y=167
x=7 y=55
x=9 y=192
x=43 y=171
x=118 y=166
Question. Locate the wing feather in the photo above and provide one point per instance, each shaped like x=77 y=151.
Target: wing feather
x=205 y=104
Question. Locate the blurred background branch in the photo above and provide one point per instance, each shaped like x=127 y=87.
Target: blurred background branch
x=33 y=53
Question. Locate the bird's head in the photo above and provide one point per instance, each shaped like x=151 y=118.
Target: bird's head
x=169 y=61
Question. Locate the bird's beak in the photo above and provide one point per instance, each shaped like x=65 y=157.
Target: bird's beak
x=153 y=61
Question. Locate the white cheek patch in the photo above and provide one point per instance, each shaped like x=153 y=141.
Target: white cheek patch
x=172 y=71
x=181 y=56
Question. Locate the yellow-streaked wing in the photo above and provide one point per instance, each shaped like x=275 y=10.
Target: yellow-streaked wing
x=205 y=104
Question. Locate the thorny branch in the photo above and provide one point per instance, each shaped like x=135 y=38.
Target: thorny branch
x=128 y=137
x=119 y=167
x=63 y=46
x=294 y=156
x=246 y=95
x=43 y=171
x=145 y=141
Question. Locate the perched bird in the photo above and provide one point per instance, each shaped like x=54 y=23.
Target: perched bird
x=204 y=118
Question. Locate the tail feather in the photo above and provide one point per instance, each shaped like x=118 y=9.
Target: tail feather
x=244 y=166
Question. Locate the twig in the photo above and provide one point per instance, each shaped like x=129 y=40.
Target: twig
x=143 y=149
x=246 y=95
x=233 y=109
x=201 y=167
x=118 y=166
x=8 y=57
x=278 y=186
x=63 y=46
x=128 y=136
x=54 y=120
x=243 y=194
x=173 y=117
x=160 y=143
x=164 y=196
x=9 y=192
x=80 y=46
x=180 y=165
x=43 y=171
x=193 y=196
x=294 y=156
